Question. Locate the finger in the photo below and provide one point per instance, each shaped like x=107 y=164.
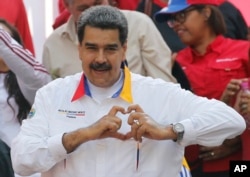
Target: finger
x=116 y=109
x=237 y=81
x=207 y=156
x=206 y=149
x=128 y=135
x=140 y=133
x=110 y=121
x=134 y=129
x=134 y=117
x=113 y=126
x=231 y=93
x=234 y=84
x=119 y=136
x=233 y=88
x=135 y=108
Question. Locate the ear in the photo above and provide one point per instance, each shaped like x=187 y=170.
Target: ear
x=206 y=12
x=124 y=50
x=79 y=51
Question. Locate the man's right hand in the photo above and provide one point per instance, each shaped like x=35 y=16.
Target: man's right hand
x=107 y=126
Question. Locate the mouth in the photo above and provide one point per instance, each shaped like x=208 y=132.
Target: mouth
x=101 y=69
x=180 y=32
x=100 y=72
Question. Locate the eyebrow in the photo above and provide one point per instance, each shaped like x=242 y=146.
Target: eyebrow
x=90 y=44
x=112 y=45
x=94 y=45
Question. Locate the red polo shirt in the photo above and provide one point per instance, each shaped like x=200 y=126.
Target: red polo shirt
x=15 y=13
x=209 y=75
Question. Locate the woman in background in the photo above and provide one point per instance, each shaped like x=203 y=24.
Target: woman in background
x=21 y=75
x=210 y=61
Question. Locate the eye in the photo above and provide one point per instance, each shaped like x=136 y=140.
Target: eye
x=183 y=14
x=112 y=48
x=180 y=16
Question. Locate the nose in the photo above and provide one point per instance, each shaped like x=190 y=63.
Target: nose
x=100 y=58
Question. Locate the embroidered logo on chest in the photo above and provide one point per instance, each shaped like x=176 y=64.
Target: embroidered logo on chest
x=72 y=114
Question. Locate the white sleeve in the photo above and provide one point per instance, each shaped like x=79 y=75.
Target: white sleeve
x=206 y=123
x=34 y=145
x=31 y=74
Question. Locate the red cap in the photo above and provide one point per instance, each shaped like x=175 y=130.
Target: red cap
x=213 y=2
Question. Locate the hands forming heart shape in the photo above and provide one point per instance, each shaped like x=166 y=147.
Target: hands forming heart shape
x=141 y=124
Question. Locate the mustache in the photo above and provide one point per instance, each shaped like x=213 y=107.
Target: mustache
x=100 y=66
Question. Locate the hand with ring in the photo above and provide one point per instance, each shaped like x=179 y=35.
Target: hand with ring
x=207 y=153
x=228 y=147
x=142 y=125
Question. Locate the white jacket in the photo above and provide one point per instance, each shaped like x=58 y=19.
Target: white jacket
x=63 y=105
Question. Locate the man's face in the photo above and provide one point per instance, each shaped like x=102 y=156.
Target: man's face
x=101 y=53
x=78 y=6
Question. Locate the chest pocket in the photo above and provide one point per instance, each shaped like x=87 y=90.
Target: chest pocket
x=218 y=74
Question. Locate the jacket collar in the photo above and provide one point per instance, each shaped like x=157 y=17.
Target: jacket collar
x=125 y=93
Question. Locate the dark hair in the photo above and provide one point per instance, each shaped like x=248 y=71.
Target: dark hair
x=104 y=17
x=216 y=20
x=11 y=83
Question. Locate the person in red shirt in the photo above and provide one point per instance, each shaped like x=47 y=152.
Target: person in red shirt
x=210 y=61
x=237 y=95
x=15 y=13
